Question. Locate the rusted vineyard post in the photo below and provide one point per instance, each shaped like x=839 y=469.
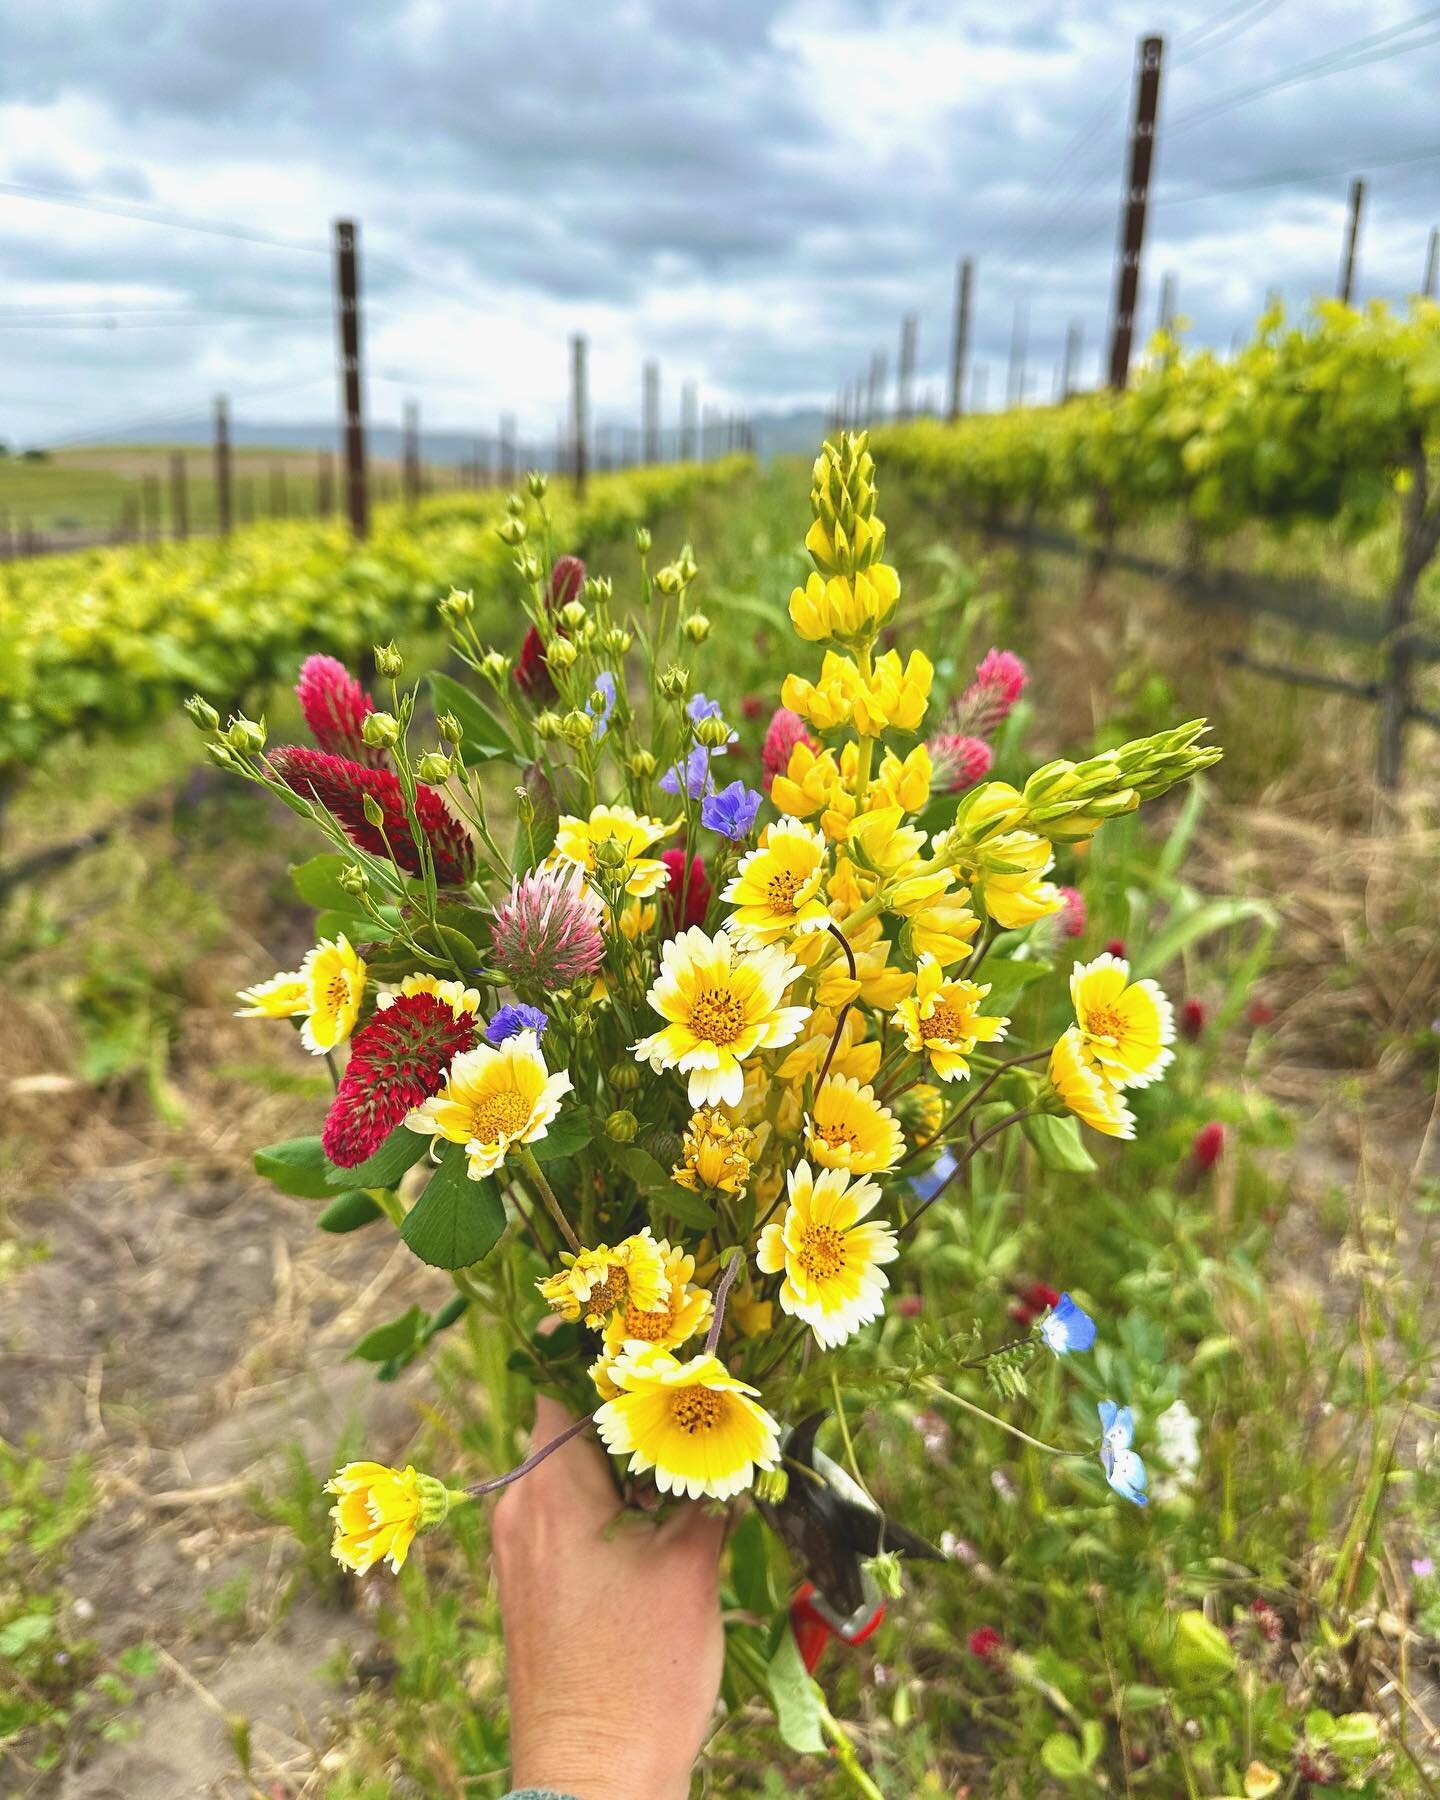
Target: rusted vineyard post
x=179 y=498
x=960 y=343
x=222 y=466
x=347 y=301
x=1420 y=538
x=1141 y=158
x=1346 y=289
x=650 y=412
x=410 y=452
x=579 y=414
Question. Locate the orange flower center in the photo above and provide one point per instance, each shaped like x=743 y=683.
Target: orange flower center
x=823 y=1253
x=947 y=1021
x=507 y=1112
x=613 y=1291
x=839 y=1137
x=782 y=888
x=337 y=993
x=697 y=1409
x=651 y=1327
x=1105 y=1021
x=717 y=1015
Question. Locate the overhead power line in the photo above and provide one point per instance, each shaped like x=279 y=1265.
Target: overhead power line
x=151 y=215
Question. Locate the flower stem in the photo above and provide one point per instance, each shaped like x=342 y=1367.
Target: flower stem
x=1004 y=1424
x=533 y=1461
x=547 y=1194
x=845 y=1752
x=722 y=1294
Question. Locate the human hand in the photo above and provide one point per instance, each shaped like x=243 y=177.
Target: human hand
x=613 y=1639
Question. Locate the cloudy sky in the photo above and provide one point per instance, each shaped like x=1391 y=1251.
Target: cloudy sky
x=752 y=193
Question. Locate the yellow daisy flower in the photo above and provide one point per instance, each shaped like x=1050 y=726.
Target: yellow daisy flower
x=943 y=1021
x=831 y=1258
x=493 y=1099
x=458 y=997
x=1127 y=1025
x=848 y=1128
x=723 y=1003
x=686 y=1311
x=378 y=1510
x=281 y=997
x=1081 y=1084
x=579 y=841
x=703 y=1432
x=716 y=1155
x=777 y=889
x=335 y=978
x=594 y=1282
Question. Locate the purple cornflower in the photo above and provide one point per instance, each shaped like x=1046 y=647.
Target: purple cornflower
x=696 y=766
x=513 y=1018
x=732 y=811
x=605 y=689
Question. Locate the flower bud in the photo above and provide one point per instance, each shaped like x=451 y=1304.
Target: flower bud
x=610 y=854
x=536 y=484
x=511 y=531
x=434 y=765
x=524 y=806
x=599 y=590
x=527 y=567
x=204 y=715
x=547 y=725
x=712 y=733
x=643 y=539
x=696 y=628
x=561 y=654
x=219 y=755
x=616 y=640
x=434 y=1500
x=459 y=603
x=686 y=564
x=573 y=614
x=374 y=811
x=352 y=879
x=772 y=1485
x=675 y=682
x=514 y=505
x=246 y=735
x=884 y=1570
x=642 y=765
x=621 y=1127
x=380 y=730
x=624 y=1078
x=449 y=726
x=668 y=580
x=388 y=662
x=495 y=666
x=577 y=728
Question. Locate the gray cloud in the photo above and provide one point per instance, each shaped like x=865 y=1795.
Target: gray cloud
x=755 y=191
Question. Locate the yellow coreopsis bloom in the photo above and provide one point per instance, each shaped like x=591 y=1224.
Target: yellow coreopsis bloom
x=378 y=1511
x=829 y=1252
x=493 y=1099
x=777 y=891
x=617 y=838
x=1081 y=1084
x=722 y=1003
x=943 y=1020
x=848 y=1128
x=334 y=974
x=852 y=610
x=455 y=994
x=687 y=1309
x=701 y=1430
x=716 y=1154
x=592 y=1284
x=1126 y=1025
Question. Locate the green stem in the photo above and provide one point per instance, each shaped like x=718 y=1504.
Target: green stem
x=1004 y=1424
x=845 y=1752
x=547 y=1194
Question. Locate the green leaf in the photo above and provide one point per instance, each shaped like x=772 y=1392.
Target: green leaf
x=797 y=1708
x=1058 y=1144
x=1009 y=979
x=297 y=1166
x=1062 y=1757
x=485 y=736
x=25 y=1633
x=317 y=883
x=456 y=1221
x=400 y=1151
x=750 y=1566
x=1203 y=921
x=349 y=1211
x=570 y=1132
x=393 y=1338
x=638 y=1166
x=675 y=1202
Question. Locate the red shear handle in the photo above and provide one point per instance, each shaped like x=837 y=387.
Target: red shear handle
x=815 y=1624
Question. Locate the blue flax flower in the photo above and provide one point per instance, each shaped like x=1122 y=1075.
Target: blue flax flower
x=928 y=1184
x=513 y=1018
x=605 y=688
x=1123 y=1468
x=1067 y=1327
x=732 y=811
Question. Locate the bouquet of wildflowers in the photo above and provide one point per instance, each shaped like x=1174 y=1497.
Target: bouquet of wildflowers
x=678 y=1061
